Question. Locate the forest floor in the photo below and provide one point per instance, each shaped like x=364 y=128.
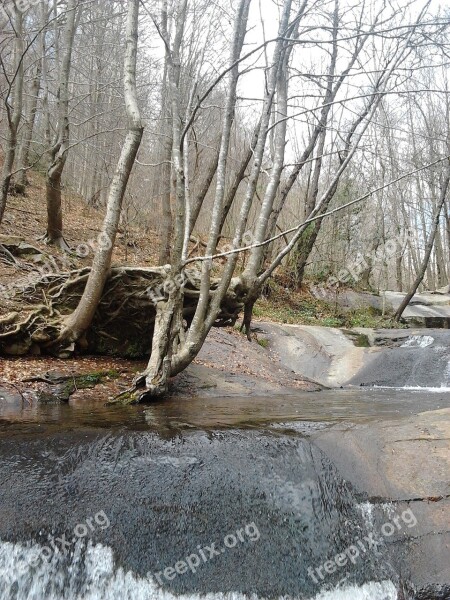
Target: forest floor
x=26 y=217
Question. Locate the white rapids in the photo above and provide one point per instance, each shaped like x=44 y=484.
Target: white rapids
x=51 y=580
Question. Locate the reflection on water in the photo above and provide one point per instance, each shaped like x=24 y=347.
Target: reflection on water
x=358 y=404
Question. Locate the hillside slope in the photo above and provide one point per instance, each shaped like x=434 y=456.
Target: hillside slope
x=25 y=219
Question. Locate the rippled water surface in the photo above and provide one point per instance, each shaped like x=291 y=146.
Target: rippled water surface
x=174 y=477
x=353 y=405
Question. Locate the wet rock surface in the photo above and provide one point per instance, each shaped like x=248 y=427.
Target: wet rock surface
x=416 y=360
x=407 y=462
x=363 y=357
x=166 y=499
x=9 y=395
x=169 y=492
x=314 y=472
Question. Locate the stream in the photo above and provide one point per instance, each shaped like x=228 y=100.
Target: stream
x=223 y=498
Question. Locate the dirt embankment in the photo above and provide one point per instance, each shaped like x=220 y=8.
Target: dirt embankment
x=228 y=364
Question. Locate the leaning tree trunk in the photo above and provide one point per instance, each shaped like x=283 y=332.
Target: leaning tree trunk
x=169 y=322
x=173 y=348
x=79 y=321
x=428 y=250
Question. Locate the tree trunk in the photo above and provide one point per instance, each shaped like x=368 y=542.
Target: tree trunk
x=81 y=318
x=172 y=348
x=54 y=206
x=399 y=272
x=58 y=153
x=24 y=162
x=428 y=250
x=199 y=199
x=168 y=321
x=166 y=229
x=447 y=230
x=13 y=111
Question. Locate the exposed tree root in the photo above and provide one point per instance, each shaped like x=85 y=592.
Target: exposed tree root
x=37 y=306
x=58 y=242
x=142 y=313
x=122 y=321
x=6 y=256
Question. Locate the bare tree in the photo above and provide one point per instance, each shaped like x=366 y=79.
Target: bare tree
x=60 y=145
x=13 y=101
x=428 y=248
x=79 y=321
x=27 y=134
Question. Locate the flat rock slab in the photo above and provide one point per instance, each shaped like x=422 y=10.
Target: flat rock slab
x=406 y=459
x=9 y=396
x=408 y=462
x=426 y=305
x=337 y=357
x=428 y=550
x=324 y=354
x=229 y=365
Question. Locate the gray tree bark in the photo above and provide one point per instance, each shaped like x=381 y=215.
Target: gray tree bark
x=428 y=250
x=13 y=105
x=58 y=152
x=78 y=322
x=27 y=136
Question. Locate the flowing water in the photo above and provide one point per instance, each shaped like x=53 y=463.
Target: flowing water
x=421 y=362
x=221 y=498
x=173 y=415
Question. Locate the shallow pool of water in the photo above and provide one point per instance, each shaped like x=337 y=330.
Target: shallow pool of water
x=327 y=407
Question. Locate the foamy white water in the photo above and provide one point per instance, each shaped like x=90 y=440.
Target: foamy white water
x=366 y=509
x=418 y=341
x=384 y=590
x=50 y=580
x=414 y=388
